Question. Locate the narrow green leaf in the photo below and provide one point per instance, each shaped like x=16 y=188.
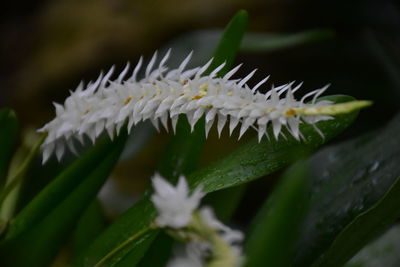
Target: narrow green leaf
x=255 y=159
x=89 y=226
x=251 y=161
x=48 y=230
x=225 y=202
x=364 y=228
x=126 y=226
x=203 y=42
x=15 y=179
x=349 y=179
x=8 y=137
x=276 y=226
x=59 y=189
x=184 y=148
x=229 y=44
x=267 y=42
x=158 y=254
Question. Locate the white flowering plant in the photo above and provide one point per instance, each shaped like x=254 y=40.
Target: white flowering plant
x=176 y=223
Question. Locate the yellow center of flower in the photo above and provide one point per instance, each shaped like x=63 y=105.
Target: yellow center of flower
x=126 y=102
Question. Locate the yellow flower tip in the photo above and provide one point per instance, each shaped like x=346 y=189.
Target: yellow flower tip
x=335 y=109
x=363 y=103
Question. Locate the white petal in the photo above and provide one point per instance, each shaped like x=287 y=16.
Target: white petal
x=151 y=64
x=123 y=73
x=221 y=123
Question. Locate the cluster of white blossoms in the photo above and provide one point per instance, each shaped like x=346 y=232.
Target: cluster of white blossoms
x=174 y=204
x=208 y=239
x=164 y=94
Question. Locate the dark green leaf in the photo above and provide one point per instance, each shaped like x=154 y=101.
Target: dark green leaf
x=266 y=42
x=8 y=137
x=251 y=161
x=383 y=251
x=16 y=176
x=349 y=179
x=230 y=42
x=184 y=148
x=275 y=228
x=157 y=255
x=52 y=215
x=225 y=202
x=89 y=226
x=203 y=43
x=255 y=159
x=59 y=189
x=363 y=229
x=137 y=219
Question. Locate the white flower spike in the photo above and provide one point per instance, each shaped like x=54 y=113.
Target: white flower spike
x=163 y=94
x=175 y=205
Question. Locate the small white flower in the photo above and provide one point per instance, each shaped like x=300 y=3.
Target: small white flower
x=164 y=94
x=207 y=238
x=229 y=235
x=192 y=254
x=175 y=205
x=232 y=237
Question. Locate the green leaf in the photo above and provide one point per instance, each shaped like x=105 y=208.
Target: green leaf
x=184 y=148
x=267 y=42
x=275 y=228
x=203 y=43
x=348 y=181
x=251 y=161
x=159 y=253
x=9 y=194
x=53 y=194
x=230 y=42
x=225 y=202
x=52 y=215
x=89 y=226
x=255 y=159
x=259 y=42
x=364 y=228
x=8 y=137
x=106 y=246
x=383 y=251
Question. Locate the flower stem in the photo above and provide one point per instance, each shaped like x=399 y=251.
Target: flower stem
x=124 y=244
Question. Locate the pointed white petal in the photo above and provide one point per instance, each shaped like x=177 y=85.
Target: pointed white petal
x=136 y=70
x=247 y=78
x=182 y=66
x=123 y=73
x=232 y=72
x=221 y=123
x=151 y=64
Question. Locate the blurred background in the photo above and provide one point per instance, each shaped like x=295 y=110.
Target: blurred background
x=48 y=47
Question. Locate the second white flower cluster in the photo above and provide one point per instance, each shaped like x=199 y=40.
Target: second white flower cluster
x=207 y=240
